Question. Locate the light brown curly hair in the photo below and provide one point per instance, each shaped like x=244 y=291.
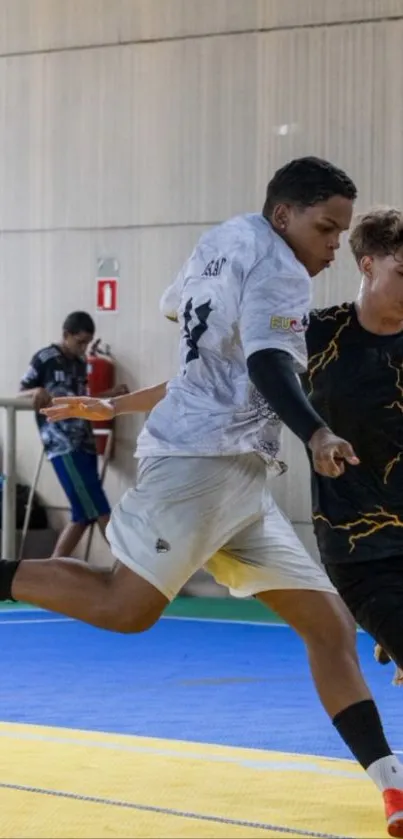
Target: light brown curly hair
x=378 y=232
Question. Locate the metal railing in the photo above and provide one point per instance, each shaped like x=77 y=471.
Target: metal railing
x=8 y=526
x=9 y=473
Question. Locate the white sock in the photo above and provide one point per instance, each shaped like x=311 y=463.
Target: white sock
x=386 y=773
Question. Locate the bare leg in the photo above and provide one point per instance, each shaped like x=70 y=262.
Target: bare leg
x=102 y=524
x=118 y=600
x=328 y=631
x=69 y=538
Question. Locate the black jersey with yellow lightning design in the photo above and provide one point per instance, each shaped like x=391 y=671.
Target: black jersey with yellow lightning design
x=355 y=382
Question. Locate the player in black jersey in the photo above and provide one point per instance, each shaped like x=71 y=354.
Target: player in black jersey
x=355 y=382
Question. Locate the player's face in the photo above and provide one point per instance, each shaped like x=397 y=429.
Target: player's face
x=385 y=284
x=77 y=345
x=314 y=232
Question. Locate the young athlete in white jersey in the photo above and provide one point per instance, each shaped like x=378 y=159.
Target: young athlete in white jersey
x=211 y=445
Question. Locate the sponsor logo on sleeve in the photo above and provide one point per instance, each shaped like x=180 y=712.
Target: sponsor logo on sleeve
x=279 y=323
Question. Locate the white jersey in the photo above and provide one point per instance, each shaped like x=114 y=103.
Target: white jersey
x=242 y=290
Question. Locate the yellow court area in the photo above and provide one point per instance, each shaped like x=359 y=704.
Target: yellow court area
x=58 y=782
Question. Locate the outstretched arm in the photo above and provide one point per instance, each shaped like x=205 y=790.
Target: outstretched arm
x=95 y=409
x=140 y=401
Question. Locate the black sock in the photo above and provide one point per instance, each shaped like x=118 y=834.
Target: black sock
x=7 y=571
x=361 y=729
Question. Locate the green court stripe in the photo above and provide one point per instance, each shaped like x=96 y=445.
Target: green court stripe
x=202 y=607
x=221 y=608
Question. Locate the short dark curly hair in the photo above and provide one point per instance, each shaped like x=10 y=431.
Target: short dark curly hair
x=77 y=322
x=378 y=232
x=305 y=182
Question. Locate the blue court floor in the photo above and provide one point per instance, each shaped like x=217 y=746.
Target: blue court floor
x=222 y=682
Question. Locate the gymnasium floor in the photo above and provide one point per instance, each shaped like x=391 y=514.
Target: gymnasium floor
x=207 y=726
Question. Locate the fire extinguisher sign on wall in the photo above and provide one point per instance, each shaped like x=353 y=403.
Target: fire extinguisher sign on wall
x=107 y=283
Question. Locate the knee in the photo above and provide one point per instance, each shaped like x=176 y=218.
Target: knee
x=130 y=624
x=128 y=620
x=126 y=603
x=125 y=614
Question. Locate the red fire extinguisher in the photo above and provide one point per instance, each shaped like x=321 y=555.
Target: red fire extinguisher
x=101 y=377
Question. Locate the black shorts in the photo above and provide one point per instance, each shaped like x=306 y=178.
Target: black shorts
x=373 y=591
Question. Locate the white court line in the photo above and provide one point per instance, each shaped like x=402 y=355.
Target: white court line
x=264 y=624
x=35 y=612
x=266 y=764
x=272 y=624
x=165 y=618
x=34 y=621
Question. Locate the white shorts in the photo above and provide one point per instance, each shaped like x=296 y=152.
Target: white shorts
x=184 y=510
